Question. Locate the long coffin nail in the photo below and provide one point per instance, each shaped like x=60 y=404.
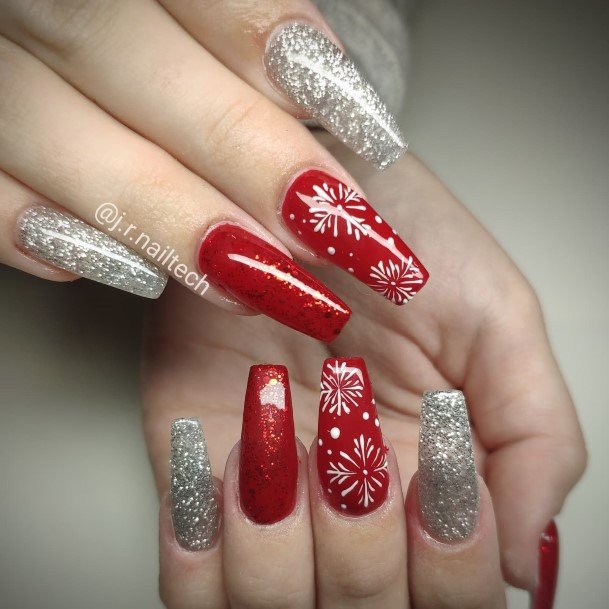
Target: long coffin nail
x=268 y=465
x=194 y=508
x=351 y=455
x=314 y=73
x=68 y=243
x=339 y=225
x=548 y=568
x=448 y=484
x=266 y=280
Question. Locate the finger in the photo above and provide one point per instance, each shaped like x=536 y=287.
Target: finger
x=453 y=552
x=289 y=47
x=42 y=239
x=266 y=512
x=356 y=497
x=15 y=199
x=190 y=540
x=172 y=216
x=461 y=575
x=178 y=95
x=524 y=415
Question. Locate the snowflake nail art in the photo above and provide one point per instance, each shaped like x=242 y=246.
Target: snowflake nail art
x=397 y=282
x=341 y=387
x=351 y=456
x=340 y=225
x=362 y=471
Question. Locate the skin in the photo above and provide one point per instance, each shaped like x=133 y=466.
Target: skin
x=477 y=325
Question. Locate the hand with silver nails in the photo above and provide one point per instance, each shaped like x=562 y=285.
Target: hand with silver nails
x=143 y=140
x=424 y=471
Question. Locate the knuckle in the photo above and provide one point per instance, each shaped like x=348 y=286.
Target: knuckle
x=263 y=596
x=234 y=127
x=150 y=196
x=15 y=72
x=355 y=582
x=575 y=459
x=65 y=26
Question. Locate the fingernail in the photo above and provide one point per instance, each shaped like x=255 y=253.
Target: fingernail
x=68 y=243
x=448 y=485
x=339 y=225
x=265 y=279
x=307 y=67
x=194 y=508
x=268 y=465
x=351 y=455
x=548 y=568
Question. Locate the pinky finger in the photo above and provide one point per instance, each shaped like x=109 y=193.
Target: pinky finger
x=41 y=239
x=190 y=541
x=15 y=198
x=453 y=551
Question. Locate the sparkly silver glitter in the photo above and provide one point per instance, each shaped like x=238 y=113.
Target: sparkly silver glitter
x=311 y=70
x=68 y=243
x=194 y=509
x=448 y=486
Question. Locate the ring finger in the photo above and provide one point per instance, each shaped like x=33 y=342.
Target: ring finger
x=453 y=552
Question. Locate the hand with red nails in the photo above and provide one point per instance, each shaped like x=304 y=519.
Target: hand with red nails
x=476 y=327
x=195 y=164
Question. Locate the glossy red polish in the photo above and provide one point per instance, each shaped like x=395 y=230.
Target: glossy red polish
x=265 y=279
x=268 y=464
x=339 y=225
x=351 y=454
x=548 y=568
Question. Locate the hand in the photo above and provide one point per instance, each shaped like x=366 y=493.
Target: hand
x=172 y=126
x=477 y=325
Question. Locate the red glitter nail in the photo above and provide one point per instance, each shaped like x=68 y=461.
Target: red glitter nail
x=268 y=465
x=267 y=280
x=351 y=455
x=548 y=568
x=338 y=224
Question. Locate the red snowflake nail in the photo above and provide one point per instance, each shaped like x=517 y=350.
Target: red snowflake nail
x=351 y=455
x=338 y=224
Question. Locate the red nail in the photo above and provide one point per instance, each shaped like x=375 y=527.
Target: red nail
x=340 y=225
x=548 y=568
x=267 y=280
x=351 y=455
x=268 y=465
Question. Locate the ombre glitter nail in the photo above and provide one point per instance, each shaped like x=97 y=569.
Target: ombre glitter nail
x=68 y=243
x=313 y=72
x=194 y=508
x=448 y=484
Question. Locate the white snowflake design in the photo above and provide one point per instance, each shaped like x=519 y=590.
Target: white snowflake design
x=396 y=281
x=341 y=385
x=363 y=471
x=330 y=205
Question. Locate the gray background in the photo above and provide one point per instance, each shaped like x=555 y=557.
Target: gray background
x=508 y=103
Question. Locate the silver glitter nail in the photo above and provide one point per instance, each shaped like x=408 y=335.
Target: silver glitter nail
x=448 y=485
x=194 y=509
x=312 y=71
x=68 y=243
